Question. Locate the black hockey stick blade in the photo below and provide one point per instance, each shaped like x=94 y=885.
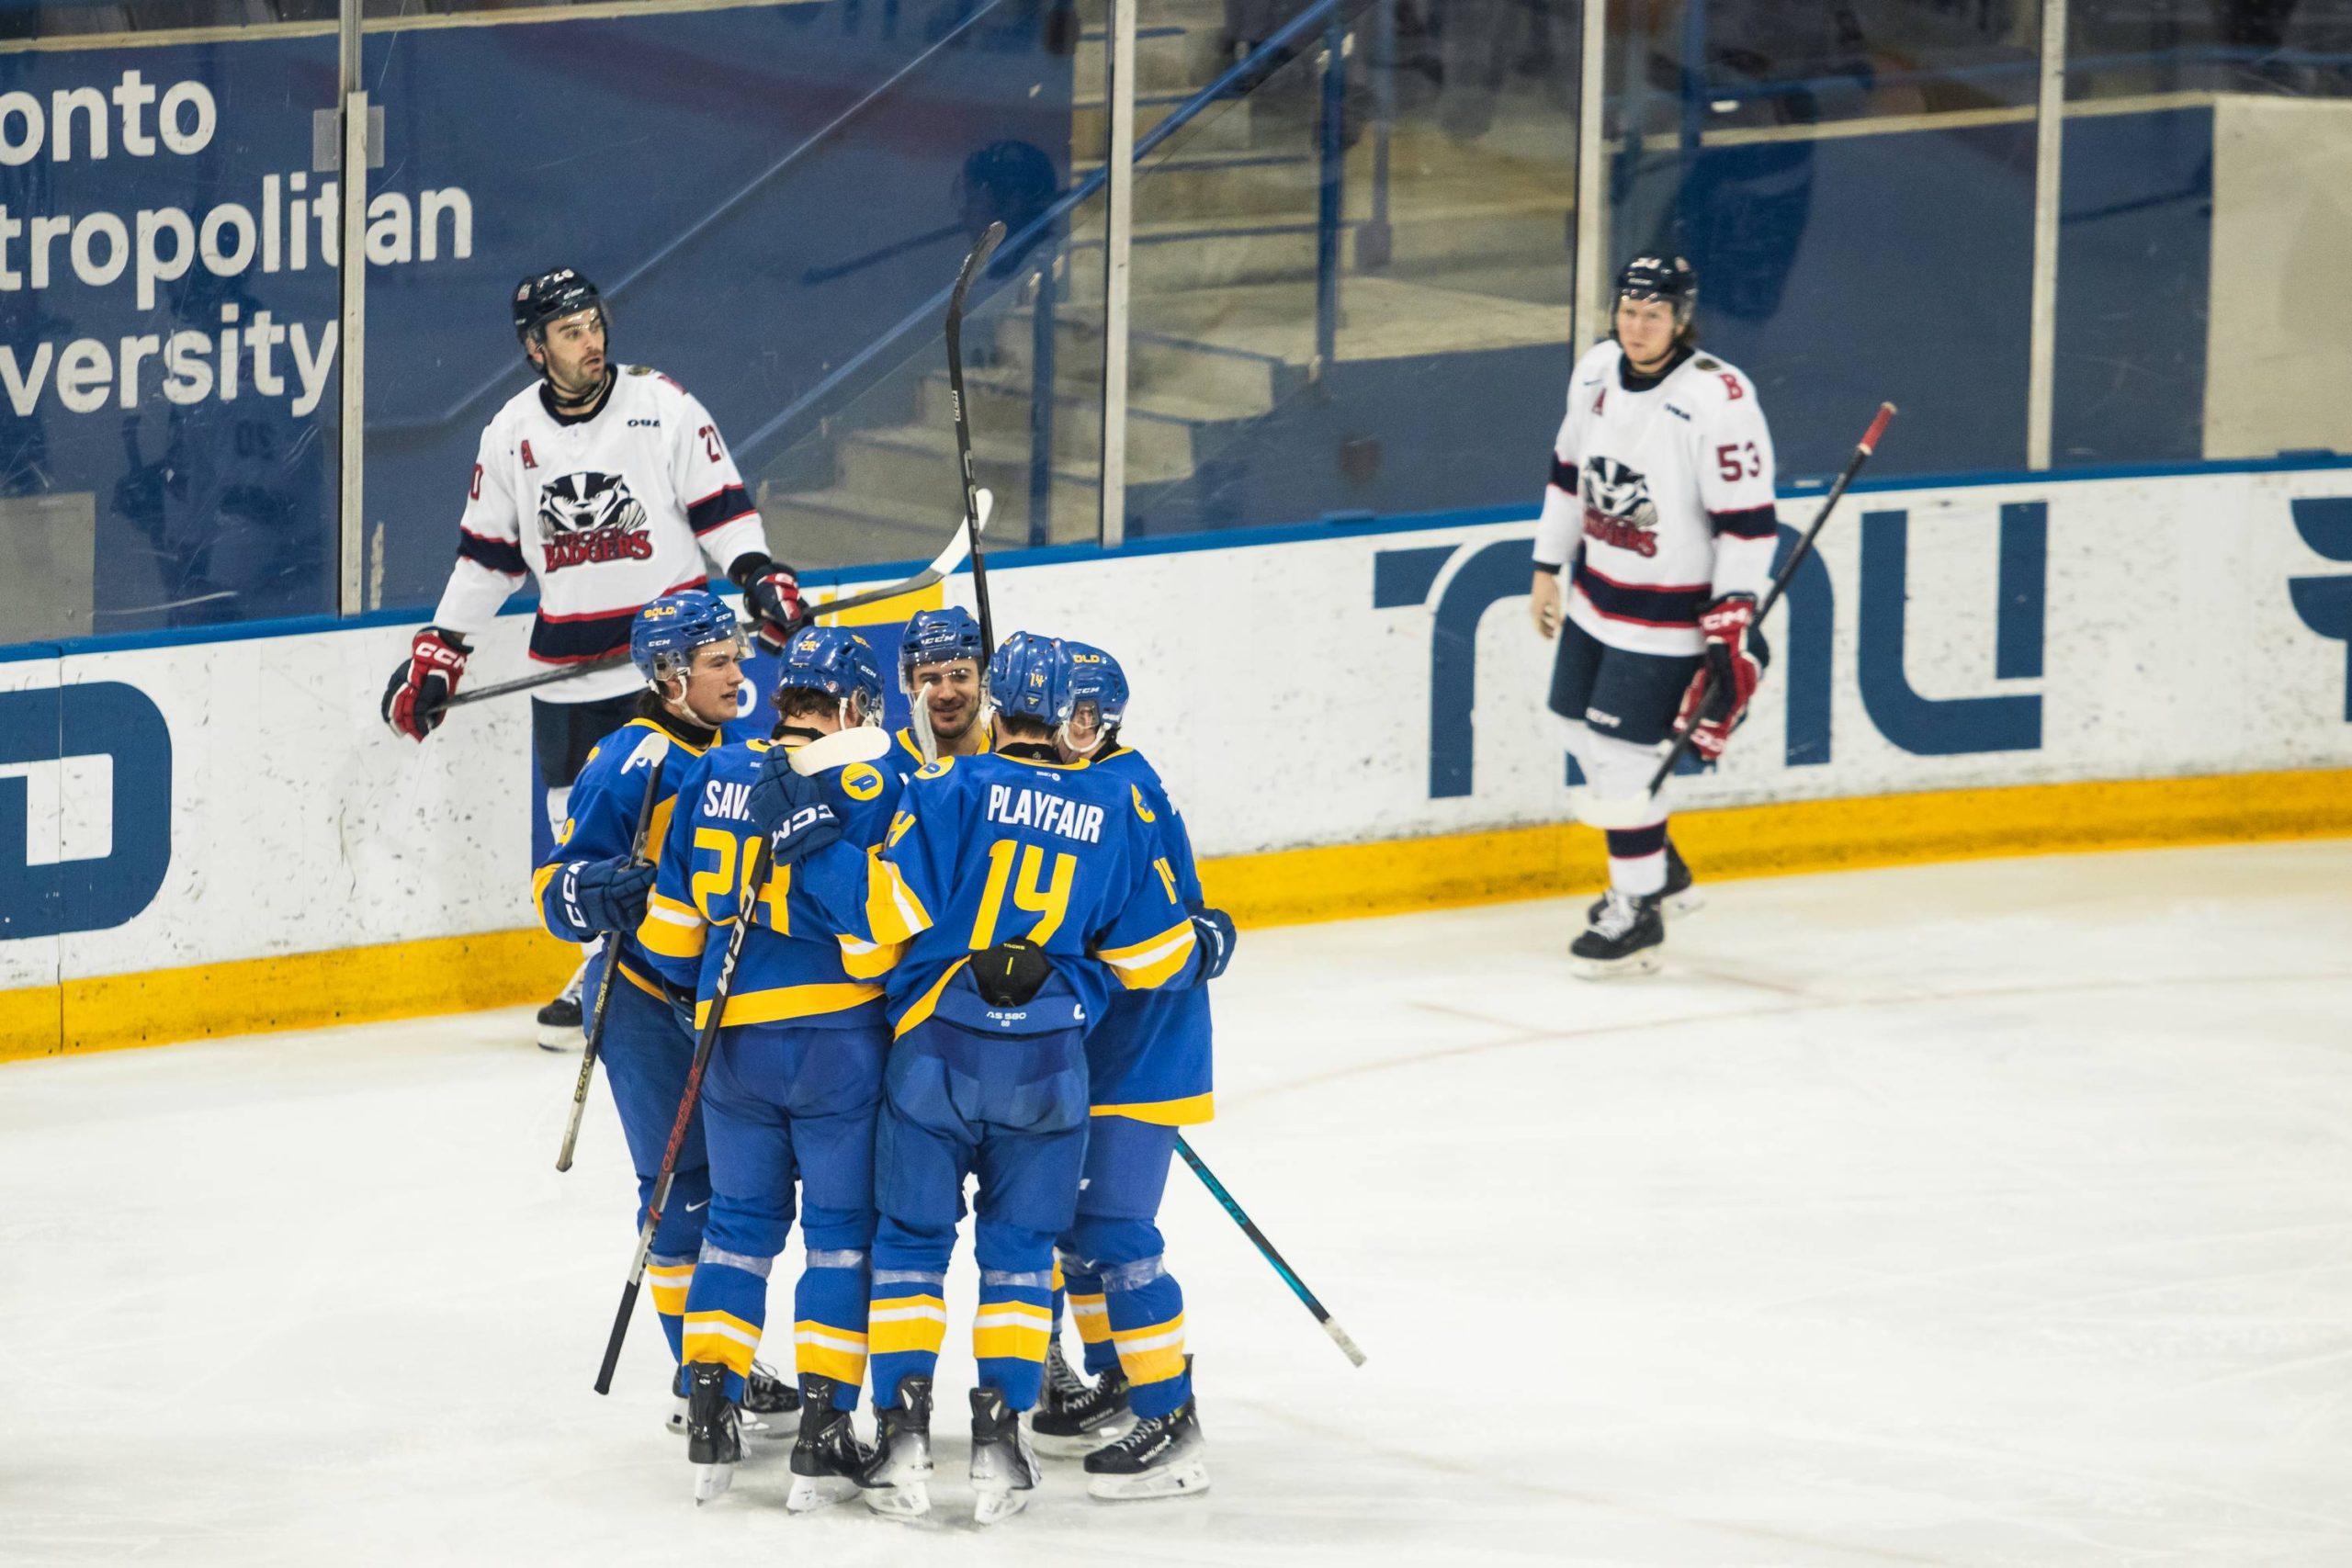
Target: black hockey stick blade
x=1782 y=578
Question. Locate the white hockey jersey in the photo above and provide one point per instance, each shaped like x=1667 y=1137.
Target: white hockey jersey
x=1668 y=490
x=606 y=513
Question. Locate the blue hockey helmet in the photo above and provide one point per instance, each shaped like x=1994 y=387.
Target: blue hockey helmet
x=663 y=640
x=1669 y=278
x=935 y=637
x=836 y=661
x=1095 y=677
x=1030 y=678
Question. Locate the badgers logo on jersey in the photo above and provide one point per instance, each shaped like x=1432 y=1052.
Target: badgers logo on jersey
x=589 y=517
x=1617 y=506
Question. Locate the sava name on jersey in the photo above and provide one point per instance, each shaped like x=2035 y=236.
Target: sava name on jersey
x=605 y=513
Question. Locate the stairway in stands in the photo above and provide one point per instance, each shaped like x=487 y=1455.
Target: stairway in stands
x=1222 y=306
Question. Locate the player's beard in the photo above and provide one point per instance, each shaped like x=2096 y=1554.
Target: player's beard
x=945 y=735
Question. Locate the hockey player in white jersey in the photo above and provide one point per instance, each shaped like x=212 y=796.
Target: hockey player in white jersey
x=1659 y=516
x=606 y=486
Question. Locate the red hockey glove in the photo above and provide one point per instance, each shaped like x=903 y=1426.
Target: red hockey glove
x=1736 y=657
x=772 y=594
x=414 y=700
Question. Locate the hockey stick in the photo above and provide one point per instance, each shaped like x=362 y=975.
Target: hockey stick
x=972 y=264
x=1290 y=1277
x=943 y=565
x=650 y=752
x=1787 y=573
x=756 y=884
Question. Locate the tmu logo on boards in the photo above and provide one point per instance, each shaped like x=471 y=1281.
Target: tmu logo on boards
x=1801 y=638
x=86 y=808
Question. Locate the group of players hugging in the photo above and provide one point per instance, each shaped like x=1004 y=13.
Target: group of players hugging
x=975 y=949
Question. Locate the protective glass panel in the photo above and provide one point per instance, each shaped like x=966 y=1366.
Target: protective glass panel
x=2199 y=315
x=168 y=301
x=1869 y=237
x=773 y=200
x=1352 y=259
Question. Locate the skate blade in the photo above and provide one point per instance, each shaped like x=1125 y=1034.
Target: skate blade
x=909 y=1500
x=1690 y=901
x=1181 y=1480
x=990 y=1504
x=1642 y=962
x=711 y=1481
x=564 y=1041
x=810 y=1492
x=1079 y=1445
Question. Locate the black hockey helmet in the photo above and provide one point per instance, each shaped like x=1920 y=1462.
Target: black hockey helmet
x=1669 y=278
x=550 y=296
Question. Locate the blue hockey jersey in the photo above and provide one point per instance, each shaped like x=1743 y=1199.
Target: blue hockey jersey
x=801 y=964
x=601 y=822
x=987 y=848
x=1150 y=1057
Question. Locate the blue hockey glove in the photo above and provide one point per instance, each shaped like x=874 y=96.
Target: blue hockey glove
x=594 y=896
x=1212 y=929
x=787 y=803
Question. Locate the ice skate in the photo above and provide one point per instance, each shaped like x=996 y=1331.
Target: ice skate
x=827 y=1458
x=1004 y=1470
x=764 y=1393
x=897 y=1478
x=746 y=1424
x=1084 y=1421
x=558 y=1025
x=1062 y=1380
x=713 y=1442
x=1680 y=897
x=1161 y=1456
x=1623 y=938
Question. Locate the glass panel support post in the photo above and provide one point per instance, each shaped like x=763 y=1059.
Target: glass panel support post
x=1327 y=207
x=351 y=547
x=2050 y=121
x=1119 y=236
x=1589 y=313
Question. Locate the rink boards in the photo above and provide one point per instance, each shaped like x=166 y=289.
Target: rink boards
x=220 y=835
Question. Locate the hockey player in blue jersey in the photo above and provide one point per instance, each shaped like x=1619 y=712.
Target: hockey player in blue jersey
x=1149 y=1075
x=939 y=669
x=796 y=1075
x=1029 y=890
x=690 y=648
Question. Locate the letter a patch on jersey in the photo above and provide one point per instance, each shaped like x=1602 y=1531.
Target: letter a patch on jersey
x=528 y=461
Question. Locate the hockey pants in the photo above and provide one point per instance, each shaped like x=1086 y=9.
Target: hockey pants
x=783 y=1104
x=1012 y=1110
x=647 y=1054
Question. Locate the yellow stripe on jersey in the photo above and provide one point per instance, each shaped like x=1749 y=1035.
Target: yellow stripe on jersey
x=651 y=987
x=671 y=929
x=893 y=913
x=899 y=1324
x=781 y=1002
x=869 y=961
x=1154 y=1353
x=924 y=1004
x=723 y=1337
x=822 y=1350
x=1012 y=1330
x=539 y=880
x=1153 y=961
x=1191 y=1111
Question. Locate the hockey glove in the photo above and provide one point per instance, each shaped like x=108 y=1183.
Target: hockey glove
x=1213 y=930
x=1734 y=660
x=772 y=594
x=419 y=689
x=790 y=810
x=594 y=896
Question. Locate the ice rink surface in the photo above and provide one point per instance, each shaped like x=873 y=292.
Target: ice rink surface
x=1986 y=1213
